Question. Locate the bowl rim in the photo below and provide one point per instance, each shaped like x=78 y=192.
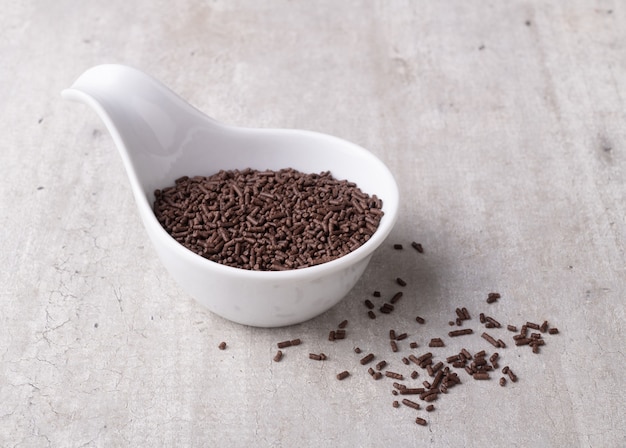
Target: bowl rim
x=390 y=207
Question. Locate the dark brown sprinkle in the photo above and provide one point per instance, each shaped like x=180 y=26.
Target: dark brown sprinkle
x=430 y=408
x=284 y=344
x=544 y=326
x=401 y=336
x=451 y=323
x=494 y=357
x=414 y=359
x=553 y=330
x=400 y=282
x=481 y=376
x=316 y=357
x=505 y=369
x=343 y=324
x=343 y=375
x=492 y=297
x=278 y=356
x=381 y=365
x=272 y=216
x=414 y=374
x=492 y=321
x=479 y=361
x=376 y=293
x=323 y=357
x=453 y=358
x=357 y=350
x=377 y=375
x=512 y=328
x=386 y=308
x=405 y=361
x=397 y=296
x=421 y=421
x=394 y=346
x=340 y=334
x=394 y=375
x=371 y=371
x=418 y=247
x=481 y=318
x=460 y=332
x=424 y=364
x=451 y=379
x=331 y=335
x=466 y=314
x=369 y=304
x=532 y=325
x=501 y=343
x=296 y=342
x=413 y=345
x=393 y=392
x=458 y=322
x=490 y=339
x=395 y=404
x=522 y=341
x=436 y=342
x=512 y=376
x=419 y=320
x=466 y=354
x=392 y=334
x=371 y=314
x=366 y=359
x=397 y=246
x=411 y=404
x=430 y=395
x=502 y=381
x=426 y=385
x=399 y=386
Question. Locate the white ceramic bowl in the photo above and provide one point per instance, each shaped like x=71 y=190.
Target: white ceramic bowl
x=161 y=138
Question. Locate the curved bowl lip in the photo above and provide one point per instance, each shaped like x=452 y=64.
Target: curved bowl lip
x=390 y=204
x=390 y=208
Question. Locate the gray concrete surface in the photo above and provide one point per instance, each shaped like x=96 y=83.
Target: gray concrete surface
x=505 y=125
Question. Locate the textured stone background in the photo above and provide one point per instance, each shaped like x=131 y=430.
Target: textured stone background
x=505 y=125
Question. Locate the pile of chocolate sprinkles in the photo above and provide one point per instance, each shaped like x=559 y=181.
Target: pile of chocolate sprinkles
x=438 y=376
x=479 y=366
x=268 y=220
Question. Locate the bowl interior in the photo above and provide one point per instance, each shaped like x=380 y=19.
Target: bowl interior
x=204 y=150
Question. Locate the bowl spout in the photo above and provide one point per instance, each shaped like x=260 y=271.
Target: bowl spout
x=146 y=120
